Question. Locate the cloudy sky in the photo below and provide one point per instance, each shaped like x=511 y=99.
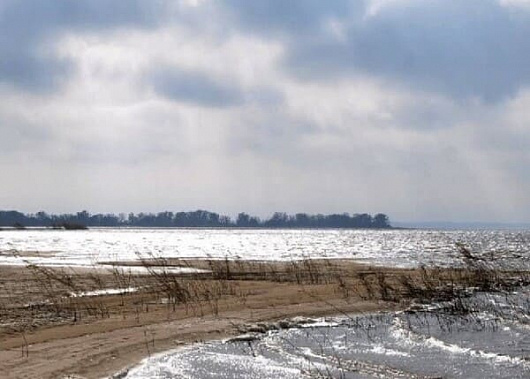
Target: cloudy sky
x=416 y=108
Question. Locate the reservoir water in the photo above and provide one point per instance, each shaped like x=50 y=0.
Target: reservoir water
x=403 y=248
x=492 y=340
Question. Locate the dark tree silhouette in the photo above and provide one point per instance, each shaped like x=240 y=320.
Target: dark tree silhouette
x=198 y=218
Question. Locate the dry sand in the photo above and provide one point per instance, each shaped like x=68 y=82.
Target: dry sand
x=44 y=333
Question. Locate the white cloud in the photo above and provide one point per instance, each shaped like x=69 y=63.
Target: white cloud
x=376 y=6
x=516 y=3
x=109 y=139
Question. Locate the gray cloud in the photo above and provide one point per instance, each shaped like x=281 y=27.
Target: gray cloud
x=26 y=24
x=195 y=87
x=310 y=106
x=474 y=48
x=201 y=89
x=292 y=17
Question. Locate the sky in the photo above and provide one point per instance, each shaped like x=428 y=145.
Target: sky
x=419 y=109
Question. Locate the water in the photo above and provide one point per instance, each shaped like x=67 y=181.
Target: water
x=492 y=341
x=401 y=248
x=431 y=343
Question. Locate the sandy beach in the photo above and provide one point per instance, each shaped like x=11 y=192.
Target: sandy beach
x=46 y=332
x=99 y=322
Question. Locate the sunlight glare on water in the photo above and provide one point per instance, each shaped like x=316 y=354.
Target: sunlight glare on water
x=404 y=248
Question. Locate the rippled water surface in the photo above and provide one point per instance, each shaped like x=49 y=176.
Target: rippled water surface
x=386 y=247
x=429 y=343
x=491 y=341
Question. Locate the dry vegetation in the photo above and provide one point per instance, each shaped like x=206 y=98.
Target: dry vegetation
x=48 y=328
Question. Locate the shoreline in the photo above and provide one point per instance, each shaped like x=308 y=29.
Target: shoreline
x=239 y=326
x=46 y=342
x=66 y=352
x=47 y=332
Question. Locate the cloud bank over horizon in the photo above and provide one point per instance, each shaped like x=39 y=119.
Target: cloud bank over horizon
x=414 y=108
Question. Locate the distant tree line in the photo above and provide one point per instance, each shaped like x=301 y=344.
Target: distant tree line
x=199 y=218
